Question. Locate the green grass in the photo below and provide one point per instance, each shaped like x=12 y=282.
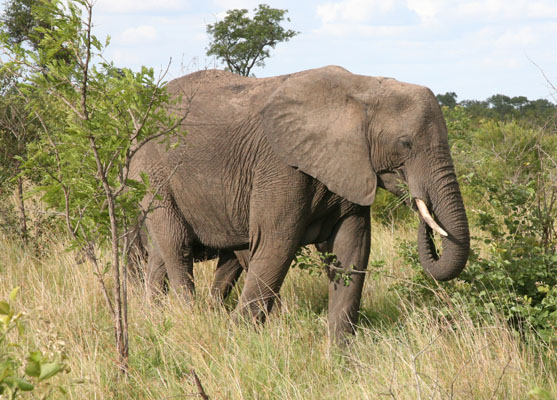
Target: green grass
x=401 y=351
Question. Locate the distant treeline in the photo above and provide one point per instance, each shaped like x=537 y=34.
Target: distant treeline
x=503 y=107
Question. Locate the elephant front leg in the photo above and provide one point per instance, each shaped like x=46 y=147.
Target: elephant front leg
x=280 y=207
x=350 y=243
x=268 y=266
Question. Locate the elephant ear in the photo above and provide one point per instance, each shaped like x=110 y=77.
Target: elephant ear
x=315 y=122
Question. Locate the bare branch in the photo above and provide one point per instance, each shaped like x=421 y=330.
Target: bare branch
x=501 y=378
x=202 y=393
x=548 y=81
x=85 y=66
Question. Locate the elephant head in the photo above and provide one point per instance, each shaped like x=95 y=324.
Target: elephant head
x=350 y=131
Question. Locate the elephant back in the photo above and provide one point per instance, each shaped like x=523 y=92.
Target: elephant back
x=220 y=97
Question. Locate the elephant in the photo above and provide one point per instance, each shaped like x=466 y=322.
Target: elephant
x=271 y=164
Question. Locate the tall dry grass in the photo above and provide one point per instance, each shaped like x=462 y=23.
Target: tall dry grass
x=401 y=351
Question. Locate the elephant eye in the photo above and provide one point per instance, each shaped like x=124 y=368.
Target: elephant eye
x=405 y=143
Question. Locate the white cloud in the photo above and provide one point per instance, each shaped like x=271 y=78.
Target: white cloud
x=507 y=9
x=124 y=57
x=353 y=10
x=139 y=34
x=231 y=4
x=499 y=63
x=427 y=10
x=344 y=17
x=521 y=37
x=134 y=6
x=346 y=29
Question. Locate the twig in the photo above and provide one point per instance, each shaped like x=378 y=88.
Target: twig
x=202 y=393
x=501 y=378
x=548 y=81
x=415 y=367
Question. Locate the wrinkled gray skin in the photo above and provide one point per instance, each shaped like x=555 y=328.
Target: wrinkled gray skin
x=271 y=164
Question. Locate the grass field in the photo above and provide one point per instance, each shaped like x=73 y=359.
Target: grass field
x=401 y=350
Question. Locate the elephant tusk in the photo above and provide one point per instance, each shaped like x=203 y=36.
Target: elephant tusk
x=424 y=212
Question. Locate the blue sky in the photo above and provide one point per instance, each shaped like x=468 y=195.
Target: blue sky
x=475 y=48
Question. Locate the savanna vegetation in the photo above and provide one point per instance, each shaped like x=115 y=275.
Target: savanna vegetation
x=489 y=334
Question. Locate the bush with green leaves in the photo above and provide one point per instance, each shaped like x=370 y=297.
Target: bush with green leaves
x=514 y=277
x=93 y=118
x=38 y=370
x=315 y=263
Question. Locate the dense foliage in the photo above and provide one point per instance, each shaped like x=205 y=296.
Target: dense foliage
x=502 y=107
x=19 y=23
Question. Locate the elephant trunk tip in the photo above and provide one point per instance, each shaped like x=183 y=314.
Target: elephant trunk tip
x=453 y=259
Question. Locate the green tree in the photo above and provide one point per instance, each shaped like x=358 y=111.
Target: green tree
x=242 y=42
x=448 y=99
x=505 y=108
x=502 y=105
x=93 y=118
x=19 y=26
x=23 y=26
x=18 y=21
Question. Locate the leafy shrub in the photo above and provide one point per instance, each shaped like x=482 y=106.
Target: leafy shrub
x=9 y=222
x=315 y=263
x=38 y=369
x=515 y=277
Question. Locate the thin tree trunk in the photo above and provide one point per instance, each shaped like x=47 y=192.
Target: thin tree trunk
x=21 y=206
x=120 y=298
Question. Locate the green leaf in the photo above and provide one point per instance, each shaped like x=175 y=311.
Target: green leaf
x=23 y=384
x=4 y=308
x=48 y=370
x=33 y=369
x=13 y=293
x=539 y=394
x=35 y=356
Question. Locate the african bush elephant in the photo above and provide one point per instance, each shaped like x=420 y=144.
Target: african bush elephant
x=271 y=164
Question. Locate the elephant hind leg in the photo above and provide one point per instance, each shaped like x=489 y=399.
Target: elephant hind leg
x=170 y=235
x=229 y=269
x=279 y=214
x=155 y=273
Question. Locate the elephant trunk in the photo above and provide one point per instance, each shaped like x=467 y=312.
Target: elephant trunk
x=448 y=208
